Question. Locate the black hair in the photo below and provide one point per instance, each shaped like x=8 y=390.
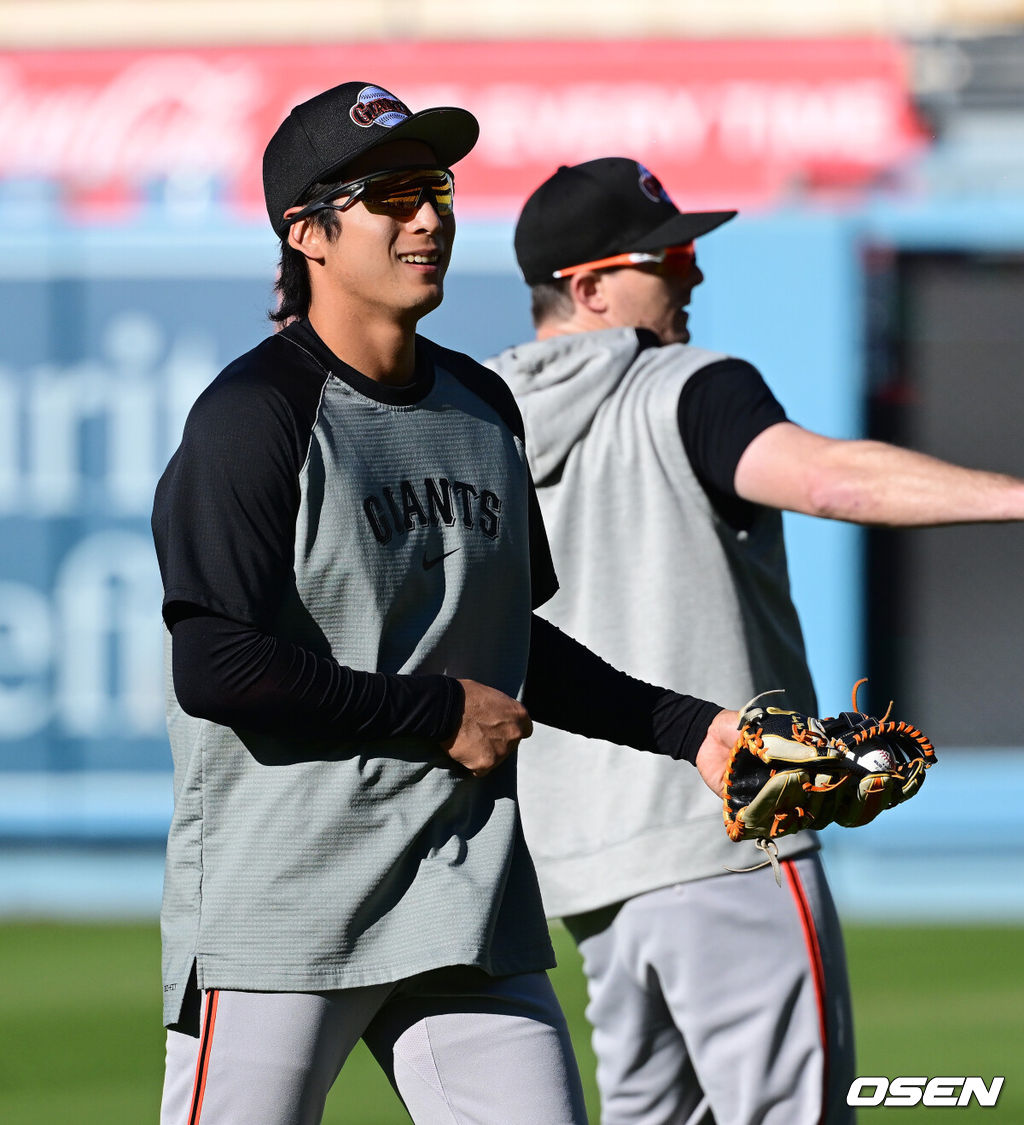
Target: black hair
x=292 y=285
x=550 y=300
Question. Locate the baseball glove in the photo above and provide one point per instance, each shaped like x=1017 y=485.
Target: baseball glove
x=790 y=771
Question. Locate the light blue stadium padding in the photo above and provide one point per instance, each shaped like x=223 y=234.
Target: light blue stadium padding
x=88 y=806
x=942 y=857
x=971 y=225
x=73 y=883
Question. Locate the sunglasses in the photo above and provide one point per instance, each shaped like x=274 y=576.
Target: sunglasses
x=398 y=194
x=671 y=259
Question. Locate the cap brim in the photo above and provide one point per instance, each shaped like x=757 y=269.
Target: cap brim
x=451 y=133
x=683 y=228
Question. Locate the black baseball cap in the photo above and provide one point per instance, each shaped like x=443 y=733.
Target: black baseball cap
x=319 y=137
x=594 y=210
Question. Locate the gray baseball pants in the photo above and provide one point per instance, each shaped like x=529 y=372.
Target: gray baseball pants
x=723 y=1000
x=459 y=1047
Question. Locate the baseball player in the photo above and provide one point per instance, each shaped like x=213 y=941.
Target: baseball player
x=351 y=549
x=661 y=469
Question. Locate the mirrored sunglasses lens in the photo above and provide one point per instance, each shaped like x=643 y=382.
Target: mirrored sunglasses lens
x=402 y=196
x=677 y=259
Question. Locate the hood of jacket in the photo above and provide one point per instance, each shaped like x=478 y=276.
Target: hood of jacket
x=560 y=384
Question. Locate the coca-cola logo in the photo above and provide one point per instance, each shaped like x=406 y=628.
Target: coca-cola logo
x=103 y=123
x=375 y=106
x=160 y=115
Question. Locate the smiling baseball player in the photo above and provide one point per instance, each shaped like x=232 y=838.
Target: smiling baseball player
x=351 y=549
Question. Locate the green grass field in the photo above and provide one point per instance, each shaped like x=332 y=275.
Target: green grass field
x=80 y=1035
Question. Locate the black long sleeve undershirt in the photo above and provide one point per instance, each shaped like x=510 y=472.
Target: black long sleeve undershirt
x=238 y=676
x=570 y=687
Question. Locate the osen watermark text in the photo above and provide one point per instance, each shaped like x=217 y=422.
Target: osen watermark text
x=940 y=1091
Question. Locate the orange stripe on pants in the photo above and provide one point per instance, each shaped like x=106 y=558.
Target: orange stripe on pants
x=203 y=1063
x=817 y=966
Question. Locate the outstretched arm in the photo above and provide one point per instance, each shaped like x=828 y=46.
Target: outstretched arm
x=870 y=482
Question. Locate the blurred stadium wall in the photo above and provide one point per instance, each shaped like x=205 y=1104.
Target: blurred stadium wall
x=76 y=23
x=875 y=276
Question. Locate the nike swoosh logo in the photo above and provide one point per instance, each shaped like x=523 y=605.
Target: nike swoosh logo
x=430 y=563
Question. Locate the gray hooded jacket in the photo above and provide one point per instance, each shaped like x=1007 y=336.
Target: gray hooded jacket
x=654 y=581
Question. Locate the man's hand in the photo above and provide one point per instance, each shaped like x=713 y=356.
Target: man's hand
x=492 y=725
x=713 y=755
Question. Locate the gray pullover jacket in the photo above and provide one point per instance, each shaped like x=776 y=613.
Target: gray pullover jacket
x=654 y=581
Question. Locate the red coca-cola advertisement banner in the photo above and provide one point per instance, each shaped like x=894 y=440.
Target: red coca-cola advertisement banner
x=721 y=122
